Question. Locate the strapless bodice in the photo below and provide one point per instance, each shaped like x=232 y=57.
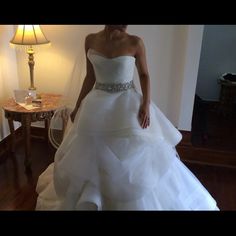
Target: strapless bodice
x=112 y=70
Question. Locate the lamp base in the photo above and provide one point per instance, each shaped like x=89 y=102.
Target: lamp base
x=32 y=93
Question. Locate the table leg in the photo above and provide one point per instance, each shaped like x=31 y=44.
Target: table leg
x=26 y=121
x=13 y=137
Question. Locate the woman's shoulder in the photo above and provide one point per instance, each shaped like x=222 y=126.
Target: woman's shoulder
x=134 y=37
x=135 y=40
x=93 y=36
x=90 y=39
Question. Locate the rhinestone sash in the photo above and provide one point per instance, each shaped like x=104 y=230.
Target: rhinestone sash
x=112 y=88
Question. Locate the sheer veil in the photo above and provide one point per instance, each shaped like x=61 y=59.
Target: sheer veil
x=60 y=123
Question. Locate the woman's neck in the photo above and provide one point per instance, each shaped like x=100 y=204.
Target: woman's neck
x=113 y=32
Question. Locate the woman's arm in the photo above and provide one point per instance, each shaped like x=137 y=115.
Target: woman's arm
x=141 y=64
x=89 y=80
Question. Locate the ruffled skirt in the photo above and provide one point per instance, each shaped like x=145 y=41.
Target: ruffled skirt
x=108 y=162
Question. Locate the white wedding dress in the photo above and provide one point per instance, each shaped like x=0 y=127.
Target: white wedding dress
x=108 y=162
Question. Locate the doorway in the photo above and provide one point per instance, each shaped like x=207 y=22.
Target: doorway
x=213 y=123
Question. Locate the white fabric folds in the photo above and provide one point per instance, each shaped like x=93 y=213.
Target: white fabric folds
x=108 y=162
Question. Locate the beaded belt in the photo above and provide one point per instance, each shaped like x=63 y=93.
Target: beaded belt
x=112 y=88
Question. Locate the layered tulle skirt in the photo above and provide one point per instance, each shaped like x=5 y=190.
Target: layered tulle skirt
x=108 y=162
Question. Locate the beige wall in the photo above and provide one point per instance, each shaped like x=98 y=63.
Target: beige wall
x=169 y=53
x=165 y=50
x=173 y=53
x=8 y=67
x=54 y=63
x=191 y=65
x=8 y=73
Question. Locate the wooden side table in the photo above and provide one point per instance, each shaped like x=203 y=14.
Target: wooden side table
x=15 y=112
x=227 y=97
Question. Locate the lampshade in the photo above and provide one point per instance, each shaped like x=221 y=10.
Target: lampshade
x=29 y=35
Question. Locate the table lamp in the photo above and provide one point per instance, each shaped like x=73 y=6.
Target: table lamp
x=29 y=36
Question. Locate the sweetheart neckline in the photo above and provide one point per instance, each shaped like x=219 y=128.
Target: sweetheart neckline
x=108 y=58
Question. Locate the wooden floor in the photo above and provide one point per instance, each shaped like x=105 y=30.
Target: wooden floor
x=17 y=189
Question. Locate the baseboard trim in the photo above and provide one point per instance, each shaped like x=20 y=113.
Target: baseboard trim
x=201 y=155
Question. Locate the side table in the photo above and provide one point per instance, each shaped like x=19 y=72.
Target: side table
x=227 y=97
x=15 y=112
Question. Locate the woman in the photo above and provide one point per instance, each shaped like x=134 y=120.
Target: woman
x=120 y=151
